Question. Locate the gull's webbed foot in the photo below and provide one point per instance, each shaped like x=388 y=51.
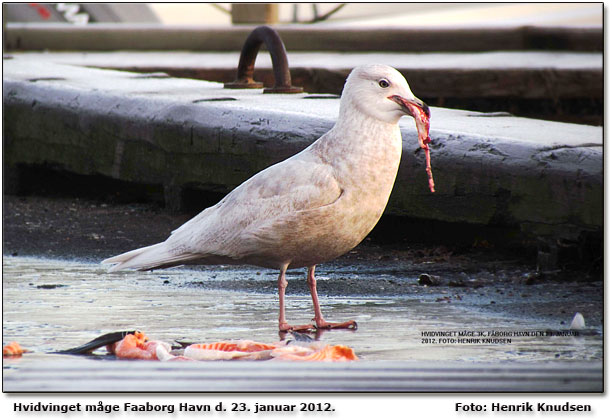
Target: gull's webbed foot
x=322 y=324
x=284 y=327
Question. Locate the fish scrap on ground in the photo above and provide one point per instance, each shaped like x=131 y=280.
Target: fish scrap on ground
x=135 y=345
x=13 y=349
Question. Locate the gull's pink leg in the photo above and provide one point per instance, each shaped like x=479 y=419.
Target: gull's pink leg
x=282 y=322
x=321 y=323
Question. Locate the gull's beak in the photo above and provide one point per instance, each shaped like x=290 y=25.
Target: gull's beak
x=409 y=105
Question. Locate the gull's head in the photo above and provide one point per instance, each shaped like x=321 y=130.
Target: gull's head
x=380 y=92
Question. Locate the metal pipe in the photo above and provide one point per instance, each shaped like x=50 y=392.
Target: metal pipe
x=280 y=65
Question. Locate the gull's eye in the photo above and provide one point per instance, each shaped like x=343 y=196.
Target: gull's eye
x=384 y=83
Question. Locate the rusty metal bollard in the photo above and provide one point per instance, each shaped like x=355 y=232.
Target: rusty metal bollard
x=246 y=65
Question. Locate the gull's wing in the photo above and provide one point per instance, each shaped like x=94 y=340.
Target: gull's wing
x=300 y=183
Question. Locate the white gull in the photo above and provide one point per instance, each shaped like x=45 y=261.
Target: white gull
x=310 y=208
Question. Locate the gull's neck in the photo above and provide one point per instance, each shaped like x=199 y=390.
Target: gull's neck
x=358 y=124
x=360 y=138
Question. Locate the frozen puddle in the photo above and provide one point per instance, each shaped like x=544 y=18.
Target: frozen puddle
x=51 y=305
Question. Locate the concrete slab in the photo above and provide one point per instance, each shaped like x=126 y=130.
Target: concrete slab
x=491 y=74
x=491 y=169
x=551 y=85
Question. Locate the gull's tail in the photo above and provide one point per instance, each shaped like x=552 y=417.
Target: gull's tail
x=148 y=258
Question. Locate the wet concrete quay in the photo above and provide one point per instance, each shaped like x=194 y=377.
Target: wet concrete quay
x=50 y=305
x=408 y=330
